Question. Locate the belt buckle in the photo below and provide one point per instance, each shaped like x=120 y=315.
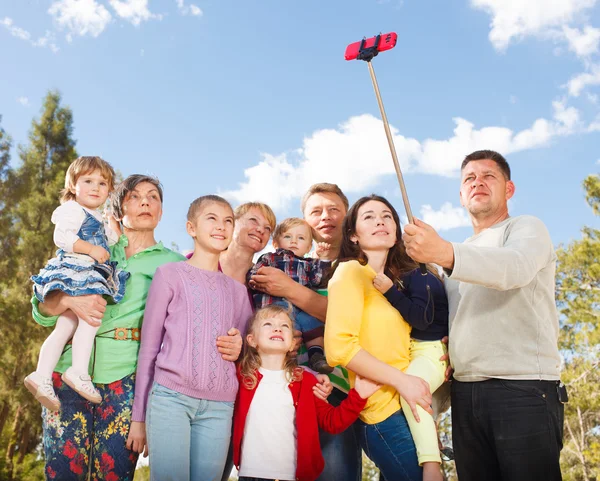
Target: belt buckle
x=121 y=334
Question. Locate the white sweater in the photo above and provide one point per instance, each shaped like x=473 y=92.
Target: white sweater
x=503 y=317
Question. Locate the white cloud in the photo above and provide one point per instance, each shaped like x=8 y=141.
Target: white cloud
x=513 y=99
x=188 y=9
x=24 y=101
x=48 y=40
x=135 y=11
x=80 y=17
x=583 y=43
x=195 y=10
x=45 y=41
x=356 y=155
x=567 y=117
x=598 y=162
x=448 y=217
x=583 y=80
x=514 y=20
x=14 y=30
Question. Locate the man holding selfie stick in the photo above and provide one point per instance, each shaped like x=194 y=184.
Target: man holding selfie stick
x=507 y=399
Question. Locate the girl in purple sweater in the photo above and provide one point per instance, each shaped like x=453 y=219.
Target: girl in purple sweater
x=184 y=390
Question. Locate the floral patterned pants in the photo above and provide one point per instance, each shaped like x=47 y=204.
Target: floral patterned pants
x=85 y=441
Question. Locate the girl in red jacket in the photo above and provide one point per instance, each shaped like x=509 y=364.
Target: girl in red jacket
x=277 y=417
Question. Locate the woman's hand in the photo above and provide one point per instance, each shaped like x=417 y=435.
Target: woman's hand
x=323 y=388
x=365 y=387
x=89 y=308
x=230 y=346
x=382 y=283
x=415 y=391
x=136 y=441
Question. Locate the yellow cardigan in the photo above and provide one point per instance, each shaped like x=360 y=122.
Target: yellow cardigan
x=360 y=317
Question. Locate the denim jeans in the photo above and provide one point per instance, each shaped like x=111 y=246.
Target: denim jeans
x=507 y=430
x=341 y=452
x=342 y=456
x=390 y=446
x=188 y=438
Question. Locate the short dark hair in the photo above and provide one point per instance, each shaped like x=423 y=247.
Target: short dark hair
x=125 y=187
x=488 y=155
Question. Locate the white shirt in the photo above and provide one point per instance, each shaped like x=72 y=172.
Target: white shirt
x=269 y=448
x=68 y=219
x=503 y=318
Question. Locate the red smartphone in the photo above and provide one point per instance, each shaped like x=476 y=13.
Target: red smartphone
x=387 y=42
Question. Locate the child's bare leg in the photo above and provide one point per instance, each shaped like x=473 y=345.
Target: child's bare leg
x=432 y=472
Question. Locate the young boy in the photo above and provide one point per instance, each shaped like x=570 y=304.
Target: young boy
x=292 y=240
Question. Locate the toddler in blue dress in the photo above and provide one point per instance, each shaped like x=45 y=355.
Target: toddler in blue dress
x=81 y=267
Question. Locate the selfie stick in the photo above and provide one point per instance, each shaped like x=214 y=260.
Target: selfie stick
x=367 y=54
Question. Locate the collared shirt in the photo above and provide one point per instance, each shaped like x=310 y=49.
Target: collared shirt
x=305 y=271
x=113 y=359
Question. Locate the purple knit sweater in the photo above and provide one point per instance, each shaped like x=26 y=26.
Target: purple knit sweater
x=187 y=309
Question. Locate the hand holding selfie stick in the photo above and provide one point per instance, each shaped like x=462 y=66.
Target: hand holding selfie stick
x=365 y=50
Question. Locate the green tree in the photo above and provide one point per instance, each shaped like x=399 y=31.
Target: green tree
x=578 y=297
x=29 y=194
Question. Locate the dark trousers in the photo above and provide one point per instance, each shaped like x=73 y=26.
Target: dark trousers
x=507 y=430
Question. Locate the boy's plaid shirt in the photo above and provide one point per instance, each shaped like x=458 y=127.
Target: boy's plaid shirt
x=305 y=271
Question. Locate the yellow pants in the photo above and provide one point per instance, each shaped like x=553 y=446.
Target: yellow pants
x=425 y=363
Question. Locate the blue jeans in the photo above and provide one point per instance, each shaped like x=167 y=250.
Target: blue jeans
x=390 y=446
x=342 y=454
x=188 y=438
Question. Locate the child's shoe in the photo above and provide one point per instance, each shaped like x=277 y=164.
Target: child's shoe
x=82 y=385
x=43 y=390
x=317 y=362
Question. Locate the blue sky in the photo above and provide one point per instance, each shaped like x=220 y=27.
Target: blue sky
x=254 y=100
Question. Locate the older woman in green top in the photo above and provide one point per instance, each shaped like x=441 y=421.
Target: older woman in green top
x=87 y=441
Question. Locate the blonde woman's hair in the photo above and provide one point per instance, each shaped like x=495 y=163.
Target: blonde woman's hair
x=84 y=165
x=265 y=210
x=287 y=224
x=250 y=361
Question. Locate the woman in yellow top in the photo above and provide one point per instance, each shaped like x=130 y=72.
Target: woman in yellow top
x=366 y=334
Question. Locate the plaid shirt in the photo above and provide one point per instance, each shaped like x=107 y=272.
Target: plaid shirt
x=305 y=271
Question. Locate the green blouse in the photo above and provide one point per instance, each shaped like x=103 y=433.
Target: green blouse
x=115 y=353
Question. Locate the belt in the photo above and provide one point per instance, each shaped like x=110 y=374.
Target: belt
x=121 y=334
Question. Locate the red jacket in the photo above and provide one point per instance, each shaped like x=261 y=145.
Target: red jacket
x=311 y=413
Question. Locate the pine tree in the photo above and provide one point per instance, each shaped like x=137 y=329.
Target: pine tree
x=29 y=194
x=578 y=295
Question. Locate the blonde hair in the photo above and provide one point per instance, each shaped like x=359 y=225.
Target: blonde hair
x=324 y=188
x=198 y=204
x=250 y=361
x=243 y=209
x=84 y=165
x=287 y=224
